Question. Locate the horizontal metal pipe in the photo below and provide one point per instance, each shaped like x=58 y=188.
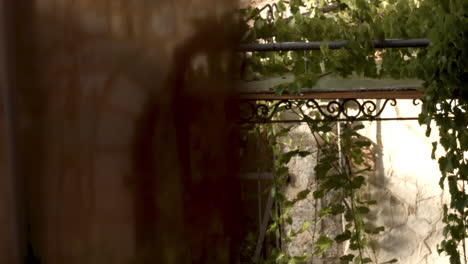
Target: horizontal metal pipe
x=287 y=46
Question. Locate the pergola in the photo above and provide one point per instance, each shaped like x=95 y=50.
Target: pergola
x=360 y=92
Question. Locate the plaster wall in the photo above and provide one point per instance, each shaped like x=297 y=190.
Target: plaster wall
x=404 y=182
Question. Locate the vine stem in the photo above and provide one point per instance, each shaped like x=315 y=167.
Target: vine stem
x=464 y=226
x=276 y=151
x=315 y=207
x=460 y=154
x=355 y=226
x=354 y=214
x=347 y=167
x=337 y=168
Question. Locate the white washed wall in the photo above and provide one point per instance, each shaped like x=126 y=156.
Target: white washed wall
x=405 y=184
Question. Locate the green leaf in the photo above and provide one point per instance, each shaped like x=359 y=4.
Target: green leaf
x=294 y=5
x=322 y=169
x=302 y=195
x=362 y=209
x=281 y=6
x=371 y=202
x=374 y=230
x=354 y=246
x=390 y=261
x=337 y=209
x=255 y=12
x=363 y=143
x=322 y=244
x=305 y=226
x=279 y=89
x=259 y=24
x=445 y=164
x=434 y=148
x=318 y=194
x=343 y=236
x=286 y=157
x=346 y=259
x=357 y=182
x=307 y=80
x=452 y=183
x=280 y=257
x=284 y=132
x=302 y=258
x=324 y=49
x=358 y=127
x=349 y=215
x=308 y=119
x=325 y=211
x=282 y=171
x=272 y=227
x=303 y=154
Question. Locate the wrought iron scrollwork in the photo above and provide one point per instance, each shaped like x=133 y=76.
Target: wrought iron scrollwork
x=335 y=110
x=417 y=101
x=252 y=111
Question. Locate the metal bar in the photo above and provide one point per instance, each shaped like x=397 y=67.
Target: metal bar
x=261 y=237
x=330 y=111
x=288 y=46
x=336 y=120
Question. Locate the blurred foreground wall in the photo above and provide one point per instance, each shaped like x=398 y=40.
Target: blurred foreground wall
x=126 y=149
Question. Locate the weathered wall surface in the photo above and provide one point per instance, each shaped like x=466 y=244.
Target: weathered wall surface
x=9 y=253
x=404 y=182
x=302 y=177
x=103 y=160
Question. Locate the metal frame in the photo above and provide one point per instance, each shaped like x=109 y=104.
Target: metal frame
x=255 y=111
x=261 y=108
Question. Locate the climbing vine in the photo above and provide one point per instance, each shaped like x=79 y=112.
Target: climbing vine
x=337 y=177
x=339 y=172
x=446 y=94
x=442 y=66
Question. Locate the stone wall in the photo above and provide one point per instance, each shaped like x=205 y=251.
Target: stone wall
x=302 y=177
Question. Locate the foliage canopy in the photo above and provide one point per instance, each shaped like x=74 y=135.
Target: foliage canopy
x=443 y=66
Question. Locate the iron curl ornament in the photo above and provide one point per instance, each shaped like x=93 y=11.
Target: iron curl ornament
x=264 y=111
